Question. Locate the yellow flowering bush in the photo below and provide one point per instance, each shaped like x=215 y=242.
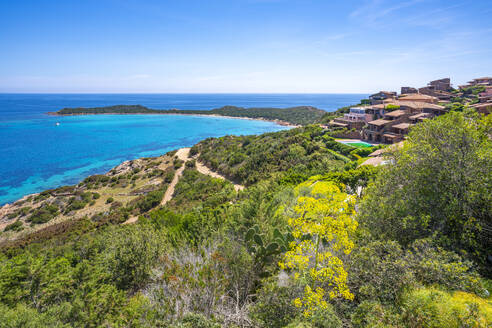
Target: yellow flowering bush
x=322 y=224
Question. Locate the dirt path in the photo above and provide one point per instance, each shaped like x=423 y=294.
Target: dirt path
x=184 y=155
x=205 y=170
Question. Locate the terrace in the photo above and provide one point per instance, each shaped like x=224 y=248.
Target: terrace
x=394 y=115
x=401 y=128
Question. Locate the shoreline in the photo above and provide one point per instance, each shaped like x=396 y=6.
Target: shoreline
x=278 y=122
x=4 y=207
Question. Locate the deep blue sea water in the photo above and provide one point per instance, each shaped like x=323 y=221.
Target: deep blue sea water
x=36 y=154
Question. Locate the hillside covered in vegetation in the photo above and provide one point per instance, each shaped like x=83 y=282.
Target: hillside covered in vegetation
x=294 y=115
x=313 y=240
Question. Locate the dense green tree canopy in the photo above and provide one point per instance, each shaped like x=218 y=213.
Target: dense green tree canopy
x=293 y=115
x=440 y=185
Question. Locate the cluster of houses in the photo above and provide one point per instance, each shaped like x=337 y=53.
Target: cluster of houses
x=388 y=116
x=484 y=104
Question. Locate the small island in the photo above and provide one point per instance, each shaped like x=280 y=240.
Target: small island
x=300 y=115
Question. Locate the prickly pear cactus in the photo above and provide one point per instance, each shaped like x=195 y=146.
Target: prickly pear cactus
x=263 y=251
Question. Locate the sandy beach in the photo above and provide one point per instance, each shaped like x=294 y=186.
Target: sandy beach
x=279 y=122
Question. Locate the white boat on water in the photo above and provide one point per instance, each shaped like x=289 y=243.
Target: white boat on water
x=57 y=123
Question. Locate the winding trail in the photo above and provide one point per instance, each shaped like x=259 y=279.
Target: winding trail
x=184 y=155
x=205 y=170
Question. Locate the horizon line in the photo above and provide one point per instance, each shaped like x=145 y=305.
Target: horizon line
x=188 y=93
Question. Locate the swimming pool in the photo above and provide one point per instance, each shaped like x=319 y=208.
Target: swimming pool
x=356 y=143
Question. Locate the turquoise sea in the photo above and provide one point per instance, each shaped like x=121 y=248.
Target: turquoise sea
x=37 y=154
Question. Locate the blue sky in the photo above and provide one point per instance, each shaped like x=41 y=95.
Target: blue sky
x=312 y=46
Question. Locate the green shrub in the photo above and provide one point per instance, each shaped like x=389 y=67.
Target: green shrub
x=177 y=163
x=363 y=151
x=392 y=107
x=15 y=226
x=109 y=200
x=168 y=177
x=438 y=187
x=433 y=265
x=19 y=212
x=249 y=159
x=433 y=308
x=274 y=307
x=131 y=255
x=326 y=318
x=378 y=271
x=149 y=201
x=383 y=270
x=194 y=150
x=97 y=179
x=372 y=314
x=43 y=214
x=24 y=316
x=194 y=320
x=75 y=204
x=298 y=324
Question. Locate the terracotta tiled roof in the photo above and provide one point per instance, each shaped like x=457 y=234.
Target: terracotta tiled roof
x=432 y=106
x=379 y=122
x=396 y=113
x=379 y=106
x=387 y=93
x=377 y=152
x=415 y=104
x=391 y=148
x=420 y=115
x=480 y=105
x=416 y=97
x=391 y=135
x=375 y=161
x=402 y=126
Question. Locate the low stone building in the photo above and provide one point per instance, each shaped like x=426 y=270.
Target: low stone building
x=405 y=90
x=418 y=106
x=486 y=96
x=375 y=111
x=378 y=98
x=375 y=129
x=417 y=118
x=440 y=85
x=441 y=95
x=392 y=126
x=383 y=156
x=481 y=81
x=483 y=108
x=356 y=118
x=383 y=130
x=419 y=97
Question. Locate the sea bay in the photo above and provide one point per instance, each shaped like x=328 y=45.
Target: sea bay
x=37 y=153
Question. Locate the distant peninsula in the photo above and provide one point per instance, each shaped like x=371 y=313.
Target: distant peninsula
x=300 y=115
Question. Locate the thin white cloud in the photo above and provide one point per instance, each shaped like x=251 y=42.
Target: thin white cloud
x=376 y=10
x=436 y=18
